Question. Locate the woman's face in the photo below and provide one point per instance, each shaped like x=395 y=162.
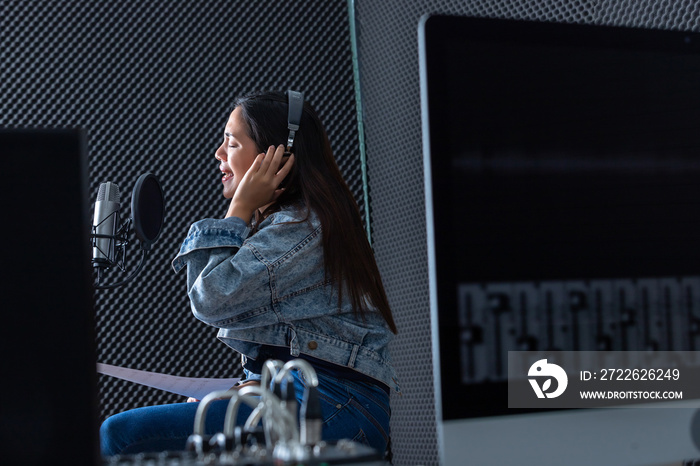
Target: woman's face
x=236 y=153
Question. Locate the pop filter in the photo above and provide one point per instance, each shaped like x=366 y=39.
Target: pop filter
x=147 y=209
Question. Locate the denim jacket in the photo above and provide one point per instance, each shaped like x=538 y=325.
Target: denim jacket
x=270 y=289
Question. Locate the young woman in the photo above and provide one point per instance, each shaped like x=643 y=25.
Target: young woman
x=287 y=274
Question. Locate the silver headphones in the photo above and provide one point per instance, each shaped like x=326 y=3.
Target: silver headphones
x=296 y=107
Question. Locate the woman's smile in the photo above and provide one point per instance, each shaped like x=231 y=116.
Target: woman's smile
x=227 y=174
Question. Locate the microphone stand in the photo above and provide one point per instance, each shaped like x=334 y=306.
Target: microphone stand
x=144 y=253
x=119 y=240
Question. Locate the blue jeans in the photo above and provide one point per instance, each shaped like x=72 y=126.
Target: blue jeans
x=351 y=410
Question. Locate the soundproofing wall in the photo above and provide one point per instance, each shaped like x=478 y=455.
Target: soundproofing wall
x=390 y=93
x=152 y=83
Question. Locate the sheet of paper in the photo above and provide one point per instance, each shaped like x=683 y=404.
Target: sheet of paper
x=186 y=386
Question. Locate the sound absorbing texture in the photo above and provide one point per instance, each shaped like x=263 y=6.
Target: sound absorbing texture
x=390 y=86
x=152 y=83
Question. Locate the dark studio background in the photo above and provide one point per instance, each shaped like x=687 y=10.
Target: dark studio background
x=151 y=82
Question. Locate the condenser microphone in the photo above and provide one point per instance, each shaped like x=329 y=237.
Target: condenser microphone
x=105 y=225
x=110 y=237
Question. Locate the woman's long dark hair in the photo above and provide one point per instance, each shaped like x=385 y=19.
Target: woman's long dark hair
x=316 y=181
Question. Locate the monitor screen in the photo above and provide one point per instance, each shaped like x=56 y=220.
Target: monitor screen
x=48 y=411
x=562 y=180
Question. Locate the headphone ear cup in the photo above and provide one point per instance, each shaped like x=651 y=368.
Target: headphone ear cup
x=285 y=181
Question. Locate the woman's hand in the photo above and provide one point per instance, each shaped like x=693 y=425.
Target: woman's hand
x=259 y=186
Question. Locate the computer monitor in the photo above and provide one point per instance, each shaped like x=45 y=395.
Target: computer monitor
x=48 y=394
x=562 y=186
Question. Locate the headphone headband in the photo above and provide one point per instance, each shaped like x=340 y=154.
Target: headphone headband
x=296 y=107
